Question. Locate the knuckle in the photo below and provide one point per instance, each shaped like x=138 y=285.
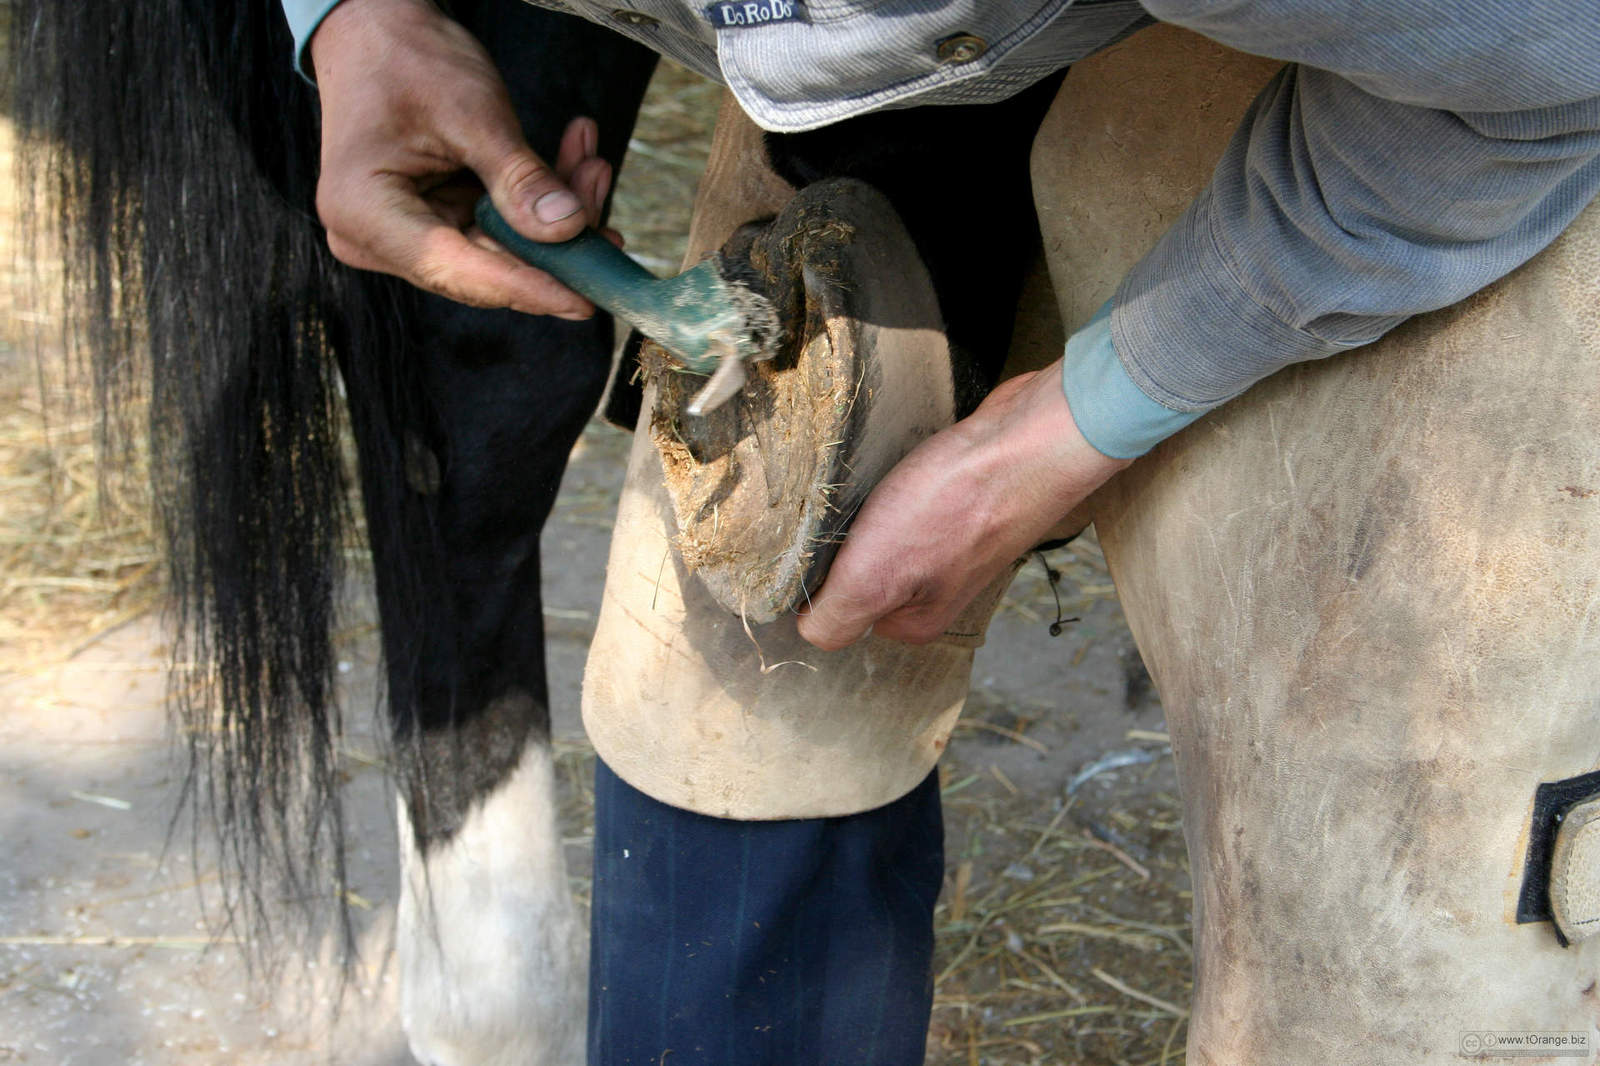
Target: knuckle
x=438 y=278
x=426 y=274
x=344 y=251
x=436 y=269
x=340 y=214
x=520 y=171
x=330 y=209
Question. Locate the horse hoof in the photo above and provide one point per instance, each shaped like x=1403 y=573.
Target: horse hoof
x=763 y=487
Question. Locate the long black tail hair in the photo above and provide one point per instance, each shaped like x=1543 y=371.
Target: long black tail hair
x=173 y=149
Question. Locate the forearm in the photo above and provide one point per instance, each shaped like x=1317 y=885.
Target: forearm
x=1451 y=55
x=1333 y=215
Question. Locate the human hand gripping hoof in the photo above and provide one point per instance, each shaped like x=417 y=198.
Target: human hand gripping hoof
x=763 y=486
x=954 y=514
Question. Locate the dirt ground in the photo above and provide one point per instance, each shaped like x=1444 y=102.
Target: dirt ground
x=1063 y=929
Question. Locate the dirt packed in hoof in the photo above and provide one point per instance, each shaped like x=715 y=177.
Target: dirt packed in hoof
x=755 y=484
x=763 y=488
x=1062 y=931
x=752 y=482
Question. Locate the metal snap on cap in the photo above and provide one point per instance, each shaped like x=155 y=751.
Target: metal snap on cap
x=629 y=17
x=961 y=48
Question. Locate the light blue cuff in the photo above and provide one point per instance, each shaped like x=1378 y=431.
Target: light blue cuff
x=304 y=17
x=1112 y=413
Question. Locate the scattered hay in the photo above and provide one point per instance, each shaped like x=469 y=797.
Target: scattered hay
x=77 y=555
x=78 y=552
x=655 y=189
x=1052 y=949
x=1049 y=950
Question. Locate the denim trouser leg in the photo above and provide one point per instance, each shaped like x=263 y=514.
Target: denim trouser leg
x=794 y=943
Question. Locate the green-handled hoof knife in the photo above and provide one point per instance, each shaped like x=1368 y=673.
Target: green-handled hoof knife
x=710 y=322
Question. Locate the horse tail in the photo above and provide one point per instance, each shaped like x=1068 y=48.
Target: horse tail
x=175 y=151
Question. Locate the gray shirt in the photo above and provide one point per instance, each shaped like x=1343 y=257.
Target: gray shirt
x=1408 y=155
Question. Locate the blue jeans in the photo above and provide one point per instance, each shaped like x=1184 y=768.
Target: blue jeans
x=805 y=942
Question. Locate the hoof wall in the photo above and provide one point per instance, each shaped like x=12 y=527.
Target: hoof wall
x=763 y=488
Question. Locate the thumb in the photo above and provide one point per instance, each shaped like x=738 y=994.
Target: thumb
x=833 y=621
x=527 y=192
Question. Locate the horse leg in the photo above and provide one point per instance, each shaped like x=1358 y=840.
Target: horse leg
x=493 y=960
x=1367 y=593
x=491 y=953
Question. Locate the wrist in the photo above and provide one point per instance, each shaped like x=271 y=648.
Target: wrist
x=1050 y=426
x=1111 y=411
x=1034 y=465
x=305 y=18
x=359 y=26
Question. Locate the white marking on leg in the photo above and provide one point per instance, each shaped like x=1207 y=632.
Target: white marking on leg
x=493 y=957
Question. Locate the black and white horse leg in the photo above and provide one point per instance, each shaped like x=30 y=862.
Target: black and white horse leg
x=492 y=951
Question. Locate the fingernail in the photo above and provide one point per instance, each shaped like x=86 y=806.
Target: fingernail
x=555 y=206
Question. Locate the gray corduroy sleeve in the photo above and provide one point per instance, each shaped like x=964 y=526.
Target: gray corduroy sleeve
x=1414 y=154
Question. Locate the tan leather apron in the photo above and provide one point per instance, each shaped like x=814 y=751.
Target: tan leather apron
x=718 y=714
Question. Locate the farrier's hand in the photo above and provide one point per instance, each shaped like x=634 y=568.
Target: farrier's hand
x=955 y=513
x=412 y=107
